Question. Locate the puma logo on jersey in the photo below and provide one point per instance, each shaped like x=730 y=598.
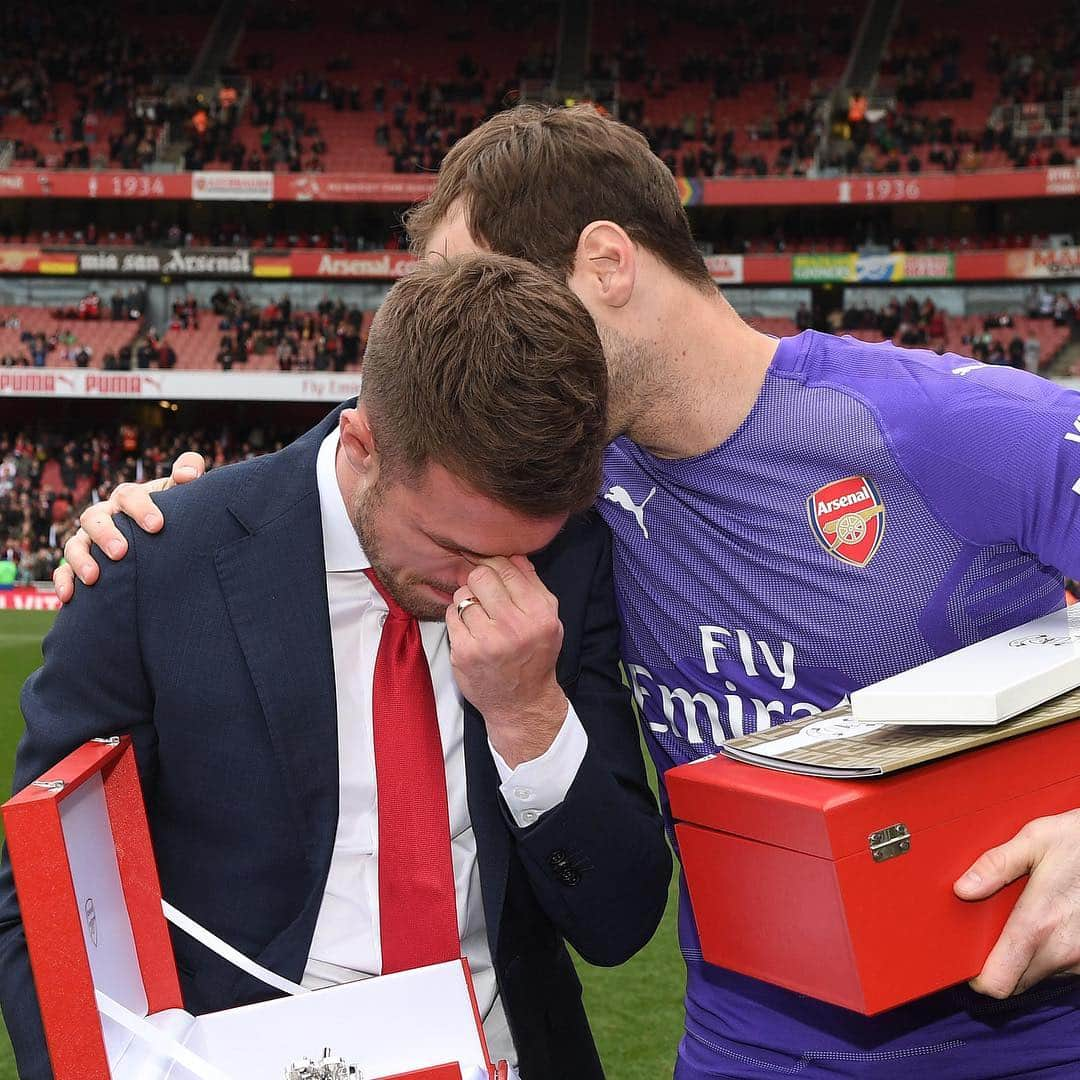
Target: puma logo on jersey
x=965 y=370
x=622 y=498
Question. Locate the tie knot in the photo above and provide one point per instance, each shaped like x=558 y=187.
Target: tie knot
x=396 y=610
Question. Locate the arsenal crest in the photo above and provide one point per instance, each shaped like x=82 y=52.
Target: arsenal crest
x=847 y=517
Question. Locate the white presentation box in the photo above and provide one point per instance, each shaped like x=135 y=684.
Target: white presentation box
x=985 y=683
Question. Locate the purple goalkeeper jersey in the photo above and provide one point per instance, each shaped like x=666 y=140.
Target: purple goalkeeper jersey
x=878 y=507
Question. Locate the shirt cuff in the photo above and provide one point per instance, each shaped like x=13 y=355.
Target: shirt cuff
x=537 y=786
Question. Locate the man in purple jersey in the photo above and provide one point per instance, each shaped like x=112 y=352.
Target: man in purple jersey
x=793 y=520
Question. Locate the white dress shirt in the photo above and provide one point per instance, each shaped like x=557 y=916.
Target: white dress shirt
x=346 y=944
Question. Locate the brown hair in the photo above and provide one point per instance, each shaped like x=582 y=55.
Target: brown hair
x=533 y=177
x=487 y=366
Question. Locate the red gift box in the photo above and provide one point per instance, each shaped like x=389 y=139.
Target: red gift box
x=842 y=889
x=94 y=924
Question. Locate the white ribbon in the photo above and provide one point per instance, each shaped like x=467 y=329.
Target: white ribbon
x=161 y=1043
x=228 y=953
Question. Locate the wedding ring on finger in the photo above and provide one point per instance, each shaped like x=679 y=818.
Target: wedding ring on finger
x=462 y=605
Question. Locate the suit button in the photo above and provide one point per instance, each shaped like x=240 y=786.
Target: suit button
x=557 y=860
x=570 y=876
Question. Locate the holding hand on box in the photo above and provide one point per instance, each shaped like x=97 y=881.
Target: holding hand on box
x=1042 y=936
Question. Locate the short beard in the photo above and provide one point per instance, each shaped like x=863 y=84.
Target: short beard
x=364 y=515
x=638 y=387
x=632 y=378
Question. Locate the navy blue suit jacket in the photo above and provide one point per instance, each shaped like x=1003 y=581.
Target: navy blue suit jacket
x=210 y=645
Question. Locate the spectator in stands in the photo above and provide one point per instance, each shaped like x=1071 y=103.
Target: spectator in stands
x=936 y=328
x=38 y=350
x=35 y=522
x=226 y=354
x=186 y=313
x=286 y=353
x=320 y=360
x=1016 y=352
x=1033 y=352
x=219 y=301
x=348 y=353
x=136 y=302
x=856 y=116
x=145 y=354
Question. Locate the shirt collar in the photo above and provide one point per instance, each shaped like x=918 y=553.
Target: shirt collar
x=342 y=550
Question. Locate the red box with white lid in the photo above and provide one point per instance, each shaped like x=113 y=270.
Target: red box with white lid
x=107 y=986
x=843 y=889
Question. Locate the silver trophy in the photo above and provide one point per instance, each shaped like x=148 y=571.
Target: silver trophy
x=326 y=1068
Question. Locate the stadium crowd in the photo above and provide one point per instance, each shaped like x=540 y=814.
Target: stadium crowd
x=330 y=338
x=236 y=333
x=113 y=70
x=418 y=118
x=903 y=140
x=927 y=71
x=47 y=478
x=923 y=324
x=154 y=233
x=62 y=344
x=694 y=103
x=794 y=232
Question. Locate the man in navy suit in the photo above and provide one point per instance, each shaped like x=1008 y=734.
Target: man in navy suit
x=239 y=647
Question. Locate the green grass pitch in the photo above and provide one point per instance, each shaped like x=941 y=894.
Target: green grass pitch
x=636 y=1010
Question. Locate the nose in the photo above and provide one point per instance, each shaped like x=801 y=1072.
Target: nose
x=462 y=571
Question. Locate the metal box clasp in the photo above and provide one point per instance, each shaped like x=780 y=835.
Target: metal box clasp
x=889 y=842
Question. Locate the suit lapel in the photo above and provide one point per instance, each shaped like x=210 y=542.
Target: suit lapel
x=275 y=589
x=274 y=584
x=492 y=838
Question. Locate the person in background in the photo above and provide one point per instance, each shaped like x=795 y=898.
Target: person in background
x=1033 y=352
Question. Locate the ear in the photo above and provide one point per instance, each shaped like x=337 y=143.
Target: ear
x=358 y=443
x=605 y=265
